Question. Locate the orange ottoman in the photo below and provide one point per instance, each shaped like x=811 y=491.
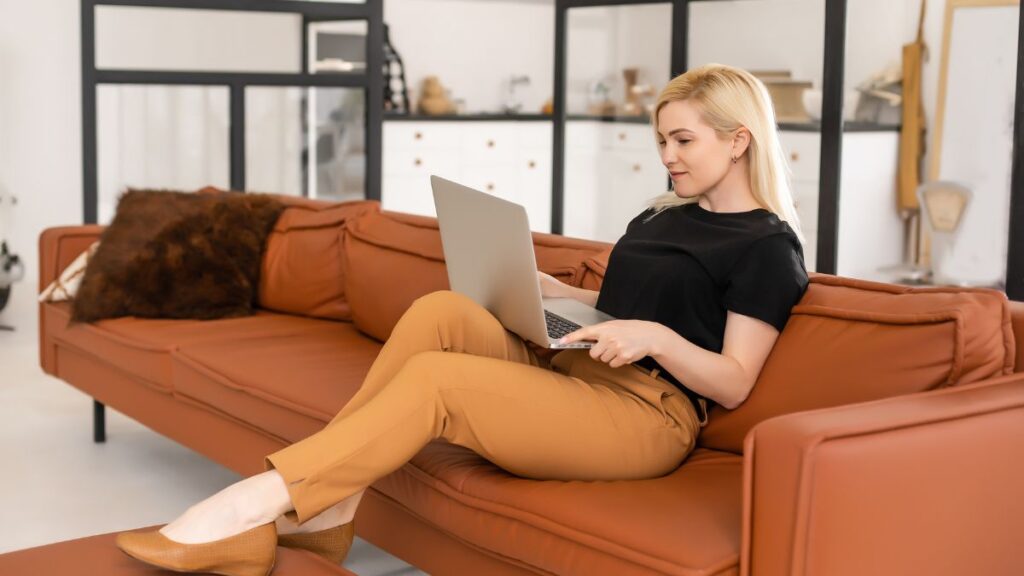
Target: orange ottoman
x=97 y=555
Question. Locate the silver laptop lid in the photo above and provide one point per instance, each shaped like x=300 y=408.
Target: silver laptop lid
x=488 y=249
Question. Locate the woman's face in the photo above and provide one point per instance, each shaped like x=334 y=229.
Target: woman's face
x=697 y=159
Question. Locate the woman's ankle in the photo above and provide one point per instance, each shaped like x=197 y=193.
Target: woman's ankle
x=333 y=516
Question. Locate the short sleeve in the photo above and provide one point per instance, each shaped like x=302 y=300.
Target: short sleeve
x=768 y=280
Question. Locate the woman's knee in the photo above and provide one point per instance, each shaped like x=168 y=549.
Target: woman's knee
x=421 y=370
x=441 y=304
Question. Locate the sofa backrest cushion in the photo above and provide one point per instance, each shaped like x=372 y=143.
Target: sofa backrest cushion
x=1017 y=319
x=852 y=341
x=302 y=269
x=391 y=259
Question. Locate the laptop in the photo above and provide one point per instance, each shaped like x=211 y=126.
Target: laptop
x=488 y=249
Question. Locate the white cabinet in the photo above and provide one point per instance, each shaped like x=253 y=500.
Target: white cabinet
x=870 y=230
x=508 y=159
x=612 y=170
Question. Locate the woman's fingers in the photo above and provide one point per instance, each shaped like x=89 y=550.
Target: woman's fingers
x=592 y=332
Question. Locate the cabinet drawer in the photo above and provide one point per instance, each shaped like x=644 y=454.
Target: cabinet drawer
x=427 y=134
x=803 y=153
x=496 y=181
x=638 y=177
x=537 y=135
x=534 y=188
x=631 y=137
x=489 y=143
x=805 y=196
x=421 y=162
x=583 y=136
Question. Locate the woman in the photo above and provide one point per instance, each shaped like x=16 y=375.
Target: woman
x=703 y=282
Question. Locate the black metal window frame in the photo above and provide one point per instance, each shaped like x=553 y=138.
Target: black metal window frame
x=830 y=168
x=371 y=81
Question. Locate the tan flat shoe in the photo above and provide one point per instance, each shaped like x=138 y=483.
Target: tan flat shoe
x=332 y=543
x=249 y=553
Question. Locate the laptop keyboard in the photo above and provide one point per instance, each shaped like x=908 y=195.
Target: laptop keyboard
x=558 y=326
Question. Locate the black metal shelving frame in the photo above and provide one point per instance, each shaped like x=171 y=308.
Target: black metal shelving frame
x=371 y=81
x=372 y=12
x=831 y=128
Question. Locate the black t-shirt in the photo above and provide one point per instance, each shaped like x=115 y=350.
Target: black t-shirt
x=687 y=266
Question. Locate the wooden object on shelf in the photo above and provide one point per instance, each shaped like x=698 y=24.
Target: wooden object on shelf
x=433 y=100
x=787 y=98
x=787 y=94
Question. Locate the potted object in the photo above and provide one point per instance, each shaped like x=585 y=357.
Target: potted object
x=11 y=270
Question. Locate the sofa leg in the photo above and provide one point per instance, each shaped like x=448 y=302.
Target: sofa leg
x=99 y=422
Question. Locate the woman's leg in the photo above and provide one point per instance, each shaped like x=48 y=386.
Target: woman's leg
x=442 y=320
x=445 y=321
x=532 y=422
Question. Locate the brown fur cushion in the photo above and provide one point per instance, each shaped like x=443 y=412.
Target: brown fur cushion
x=178 y=255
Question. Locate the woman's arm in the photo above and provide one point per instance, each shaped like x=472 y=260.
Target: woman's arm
x=551 y=287
x=726 y=378
x=588 y=297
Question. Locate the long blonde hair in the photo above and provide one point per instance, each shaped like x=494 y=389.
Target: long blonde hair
x=730 y=98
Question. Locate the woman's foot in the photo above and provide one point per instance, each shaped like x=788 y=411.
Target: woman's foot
x=241 y=506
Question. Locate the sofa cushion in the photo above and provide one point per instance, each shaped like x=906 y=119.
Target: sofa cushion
x=853 y=341
x=594 y=268
x=288 y=383
x=687 y=522
x=301 y=271
x=393 y=258
x=178 y=255
x=142 y=346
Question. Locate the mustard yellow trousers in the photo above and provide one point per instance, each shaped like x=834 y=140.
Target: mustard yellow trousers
x=451 y=371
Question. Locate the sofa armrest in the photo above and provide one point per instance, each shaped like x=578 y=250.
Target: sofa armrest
x=926 y=483
x=60 y=245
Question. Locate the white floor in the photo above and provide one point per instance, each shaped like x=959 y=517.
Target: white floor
x=57 y=484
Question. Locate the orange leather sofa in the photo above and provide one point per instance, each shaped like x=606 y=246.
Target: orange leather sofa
x=884 y=436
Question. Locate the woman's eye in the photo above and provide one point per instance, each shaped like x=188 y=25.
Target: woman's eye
x=682 y=141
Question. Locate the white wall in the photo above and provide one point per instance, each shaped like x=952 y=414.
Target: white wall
x=40 y=132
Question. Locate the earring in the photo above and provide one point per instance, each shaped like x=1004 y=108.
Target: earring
x=733 y=159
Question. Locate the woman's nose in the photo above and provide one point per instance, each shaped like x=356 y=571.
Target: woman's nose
x=668 y=157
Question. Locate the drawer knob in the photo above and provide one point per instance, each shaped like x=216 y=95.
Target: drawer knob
x=622 y=135
x=532 y=164
x=490 y=186
x=490 y=143
x=418 y=136
x=794 y=156
x=636 y=167
x=418 y=162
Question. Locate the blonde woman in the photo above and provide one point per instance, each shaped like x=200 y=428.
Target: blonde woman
x=703 y=282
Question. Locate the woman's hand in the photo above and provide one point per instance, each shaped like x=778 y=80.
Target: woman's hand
x=541 y=352
x=620 y=342
x=551 y=287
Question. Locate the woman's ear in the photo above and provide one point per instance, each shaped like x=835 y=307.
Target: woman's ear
x=740 y=142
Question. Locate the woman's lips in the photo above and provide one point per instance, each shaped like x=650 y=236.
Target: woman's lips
x=674 y=174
